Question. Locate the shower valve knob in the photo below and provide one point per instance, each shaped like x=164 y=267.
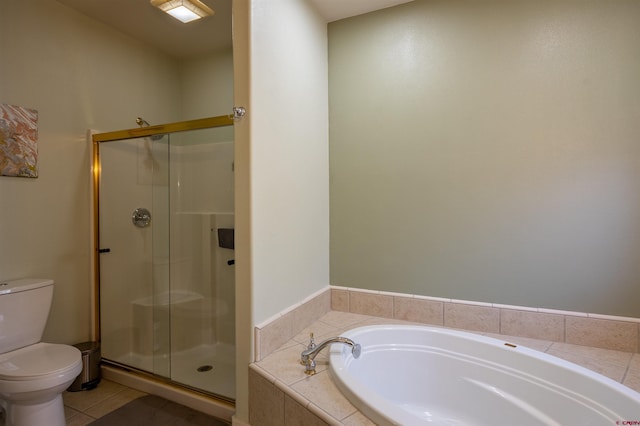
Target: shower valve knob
x=141 y=217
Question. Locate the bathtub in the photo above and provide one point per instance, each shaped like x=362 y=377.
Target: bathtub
x=416 y=375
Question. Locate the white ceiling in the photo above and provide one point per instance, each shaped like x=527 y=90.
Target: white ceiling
x=333 y=10
x=142 y=21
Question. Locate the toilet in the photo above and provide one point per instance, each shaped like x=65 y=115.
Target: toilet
x=33 y=374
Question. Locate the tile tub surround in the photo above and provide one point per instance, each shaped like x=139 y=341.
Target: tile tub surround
x=593 y=330
x=277 y=330
x=281 y=394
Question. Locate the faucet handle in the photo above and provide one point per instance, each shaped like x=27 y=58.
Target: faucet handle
x=310 y=367
x=312 y=343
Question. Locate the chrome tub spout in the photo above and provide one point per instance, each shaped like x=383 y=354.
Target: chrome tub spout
x=307 y=357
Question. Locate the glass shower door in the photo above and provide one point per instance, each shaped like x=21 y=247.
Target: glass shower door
x=167 y=279
x=134 y=253
x=202 y=259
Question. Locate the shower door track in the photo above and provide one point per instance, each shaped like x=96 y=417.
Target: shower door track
x=160 y=129
x=161 y=379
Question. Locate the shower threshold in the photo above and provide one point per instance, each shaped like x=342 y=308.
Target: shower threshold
x=210 y=404
x=209 y=369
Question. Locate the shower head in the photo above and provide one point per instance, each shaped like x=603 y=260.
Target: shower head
x=144 y=123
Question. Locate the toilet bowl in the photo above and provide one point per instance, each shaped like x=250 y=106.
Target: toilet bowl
x=32 y=380
x=33 y=374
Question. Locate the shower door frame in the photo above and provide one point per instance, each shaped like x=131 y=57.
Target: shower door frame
x=139 y=132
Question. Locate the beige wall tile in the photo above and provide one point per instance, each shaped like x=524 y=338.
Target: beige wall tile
x=340 y=320
x=609 y=369
x=600 y=333
x=380 y=321
x=279 y=331
x=471 y=317
x=257 y=341
x=418 y=310
x=358 y=419
x=320 y=331
x=532 y=324
x=633 y=382
x=340 y=300
x=321 y=390
x=310 y=311
x=323 y=415
x=266 y=401
x=620 y=358
x=634 y=365
x=632 y=378
x=379 y=305
x=275 y=334
x=296 y=414
x=285 y=364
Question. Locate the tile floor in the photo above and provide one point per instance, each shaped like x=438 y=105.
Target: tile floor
x=81 y=408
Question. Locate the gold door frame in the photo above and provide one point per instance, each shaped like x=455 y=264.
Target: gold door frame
x=139 y=132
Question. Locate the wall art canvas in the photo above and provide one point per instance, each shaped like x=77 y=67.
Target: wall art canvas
x=18 y=141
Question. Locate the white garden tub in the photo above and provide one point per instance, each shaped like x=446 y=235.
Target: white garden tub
x=414 y=375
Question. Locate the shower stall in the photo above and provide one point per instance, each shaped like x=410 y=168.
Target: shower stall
x=164 y=222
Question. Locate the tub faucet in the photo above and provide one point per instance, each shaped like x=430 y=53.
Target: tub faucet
x=308 y=355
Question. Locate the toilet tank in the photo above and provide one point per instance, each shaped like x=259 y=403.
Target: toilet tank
x=24 y=309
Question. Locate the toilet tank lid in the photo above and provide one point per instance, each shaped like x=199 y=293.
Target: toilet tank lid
x=23 y=284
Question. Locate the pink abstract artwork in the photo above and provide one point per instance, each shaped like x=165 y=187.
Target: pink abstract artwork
x=18 y=141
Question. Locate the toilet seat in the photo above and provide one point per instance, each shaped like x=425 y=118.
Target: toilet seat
x=39 y=361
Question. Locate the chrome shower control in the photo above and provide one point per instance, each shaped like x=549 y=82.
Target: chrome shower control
x=141 y=217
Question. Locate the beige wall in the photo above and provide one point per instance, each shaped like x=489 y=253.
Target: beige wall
x=79 y=75
x=242 y=199
x=206 y=85
x=489 y=151
x=281 y=155
x=289 y=155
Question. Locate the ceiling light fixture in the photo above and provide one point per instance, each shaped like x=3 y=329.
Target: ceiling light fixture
x=184 y=10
